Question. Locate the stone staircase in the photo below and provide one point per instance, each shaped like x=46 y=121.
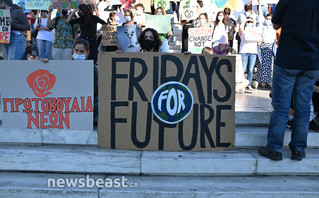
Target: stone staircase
x=29 y=159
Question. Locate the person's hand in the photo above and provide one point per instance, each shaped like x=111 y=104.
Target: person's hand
x=9 y=21
x=50 y=8
x=44 y=60
x=118 y=51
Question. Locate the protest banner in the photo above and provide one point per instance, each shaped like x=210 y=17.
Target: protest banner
x=162 y=4
x=127 y=37
x=5 y=27
x=21 y=3
x=198 y=38
x=189 y=9
x=146 y=4
x=37 y=4
x=157 y=101
x=160 y=23
x=38 y=95
x=66 y=4
x=109 y=36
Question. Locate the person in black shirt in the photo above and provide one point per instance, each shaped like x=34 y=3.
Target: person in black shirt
x=88 y=24
x=296 y=70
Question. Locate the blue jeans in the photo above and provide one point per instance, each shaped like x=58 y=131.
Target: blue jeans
x=286 y=82
x=16 y=48
x=249 y=61
x=45 y=48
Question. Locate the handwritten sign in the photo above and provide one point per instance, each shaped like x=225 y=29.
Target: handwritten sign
x=160 y=23
x=162 y=4
x=137 y=89
x=198 y=38
x=109 y=36
x=37 y=4
x=38 y=95
x=127 y=36
x=189 y=9
x=5 y=28
x=66 y=4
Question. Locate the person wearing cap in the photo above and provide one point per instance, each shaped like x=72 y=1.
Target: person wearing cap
x=19 y=23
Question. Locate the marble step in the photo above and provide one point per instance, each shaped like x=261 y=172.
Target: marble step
x=33 y=185
x=246 y=137
x=91 y=159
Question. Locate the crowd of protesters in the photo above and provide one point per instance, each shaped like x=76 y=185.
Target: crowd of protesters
x=252 y=32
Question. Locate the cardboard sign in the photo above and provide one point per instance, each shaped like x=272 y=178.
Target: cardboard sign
x=5 y=28
x=198 y=38
x=160 y=23
x=109 y=36
x=66 y=4
x=38 y=95
x=146 y=4
x=37 y=4
x=162 y=4
x=189 y=9
x=127 y=36
x=129 y=81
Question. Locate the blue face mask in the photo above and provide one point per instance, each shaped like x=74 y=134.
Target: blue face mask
x=128 y=18
x=267 y=22
x=78 y=56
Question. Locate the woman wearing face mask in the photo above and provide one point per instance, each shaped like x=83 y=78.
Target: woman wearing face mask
x=88 y=25
x=164 y=37
x=220 y=34
x=264 y=70
x=44 y=38
x=129 y=18
x=250 y=36
x=149 y=41
x=203 y=20
x=19 y=23
x=81 y=51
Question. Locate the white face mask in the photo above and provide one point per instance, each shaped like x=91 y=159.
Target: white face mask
x=202 y=21
x=248 y=13
x=267 y=22
x=159 y=13
x=249 y=25
x=78 y=56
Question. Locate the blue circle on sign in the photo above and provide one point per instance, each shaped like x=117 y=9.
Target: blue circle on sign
x=172 y=102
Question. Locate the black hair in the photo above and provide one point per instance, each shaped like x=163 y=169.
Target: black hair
x=248 y=6
x=157 y=40
x=86 y=14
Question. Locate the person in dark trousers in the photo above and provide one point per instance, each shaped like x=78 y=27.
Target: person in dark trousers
x=231 y=27
x=87 y=23
x=295 y=71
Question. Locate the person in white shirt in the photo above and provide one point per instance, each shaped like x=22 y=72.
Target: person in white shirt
x=220 y=34
x=139 y=17
x=44 y=37
x=250 y=36
x=264 y=70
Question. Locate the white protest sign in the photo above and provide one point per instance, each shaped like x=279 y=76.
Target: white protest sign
x=47 y=95
x=189 y=9
x=160 y=23
x=198 y=38
x=5 y=28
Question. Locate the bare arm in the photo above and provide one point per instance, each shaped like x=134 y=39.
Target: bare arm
x=49 y=18
x=70 y=16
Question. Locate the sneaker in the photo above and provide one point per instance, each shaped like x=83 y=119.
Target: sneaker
x=249 y=89
x=297 y=155
x=276 y=156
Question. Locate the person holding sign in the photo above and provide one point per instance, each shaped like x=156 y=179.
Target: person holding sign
x=164 y=37
x=19 y=23
x=149 y=41
x=88 y=26
x=220 y=34
x=250 y=36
